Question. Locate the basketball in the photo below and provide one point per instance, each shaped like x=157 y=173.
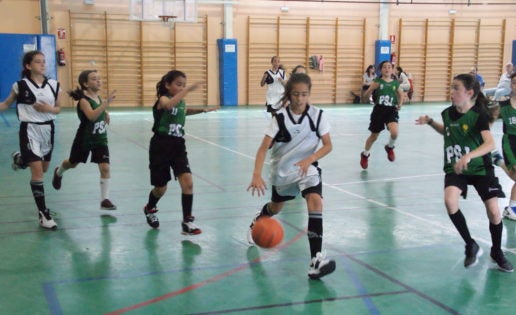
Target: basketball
x=267 y=232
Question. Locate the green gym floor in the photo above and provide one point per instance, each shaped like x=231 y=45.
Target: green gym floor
x=395 y=248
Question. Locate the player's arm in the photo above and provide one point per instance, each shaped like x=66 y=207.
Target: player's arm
x=486 y=147
x=257 y=183
x=264 y=78
x=90 y=113
x=168 y=103
x=374 y=85
x=195 y=111
x=401 y=96
x=427 y=120
x=5 y=104
x=326 y=148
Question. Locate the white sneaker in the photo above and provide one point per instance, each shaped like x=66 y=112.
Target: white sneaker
x=250 y=240
x=46 y=221
x=509 y=213
x=320 y=266
x=17 y=161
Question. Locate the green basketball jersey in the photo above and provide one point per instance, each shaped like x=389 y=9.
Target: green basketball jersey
x=93 y=133
x=461 y=136
x=169 y=122
x=387 y=93
x=508 y=115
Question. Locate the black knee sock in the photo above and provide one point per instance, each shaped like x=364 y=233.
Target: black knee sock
x=315 y=232
x=153 y=201
x=496 y=235
x=186 y=202
x=38 y=191
x=460 y=224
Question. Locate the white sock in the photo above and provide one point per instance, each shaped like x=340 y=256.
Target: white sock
x=60 y=171
x=104 y=188
x=391 y=143
x=366 y=152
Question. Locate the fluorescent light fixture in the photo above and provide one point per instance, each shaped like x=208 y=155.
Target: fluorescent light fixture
x=284 y=8
x=452 y=11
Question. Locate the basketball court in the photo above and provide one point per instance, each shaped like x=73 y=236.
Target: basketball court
x=395 y=248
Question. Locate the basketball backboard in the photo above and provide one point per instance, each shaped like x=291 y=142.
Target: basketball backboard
x=151 y=10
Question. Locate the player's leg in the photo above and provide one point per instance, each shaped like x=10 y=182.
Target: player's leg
x=186 y=183
x=320 y=265
x=455 y=186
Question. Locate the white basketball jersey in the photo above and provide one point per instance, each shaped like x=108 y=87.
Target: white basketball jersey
x=45 y=93
x=276 y=89
x=304 y=142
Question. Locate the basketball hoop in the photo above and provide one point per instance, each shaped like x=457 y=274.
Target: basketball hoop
x=168 y=20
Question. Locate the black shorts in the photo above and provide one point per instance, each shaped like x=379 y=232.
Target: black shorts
x=167 y=152
x=487 y=186
x=381 y=116
x=45 y=143
x=99 y=154
x=314 y=189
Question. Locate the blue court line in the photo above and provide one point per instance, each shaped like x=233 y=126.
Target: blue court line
x=392 y=279
x=361 y=289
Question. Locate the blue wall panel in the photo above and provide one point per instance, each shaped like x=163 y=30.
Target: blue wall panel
x=14 y=46
x=228 y=71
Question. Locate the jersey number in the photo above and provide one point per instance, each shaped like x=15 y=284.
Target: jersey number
x=455 y=152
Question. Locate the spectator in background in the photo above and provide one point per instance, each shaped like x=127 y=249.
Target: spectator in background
x=367 y=79
x=504 y=85
x=480 y=79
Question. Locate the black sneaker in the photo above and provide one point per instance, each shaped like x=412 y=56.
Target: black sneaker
x=56 y=180
x=150 y=215
x=473 y=251
x=502 y=263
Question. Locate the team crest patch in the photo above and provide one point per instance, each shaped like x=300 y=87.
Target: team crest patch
x=465 y=128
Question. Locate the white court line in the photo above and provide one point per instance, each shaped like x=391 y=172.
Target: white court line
x=221 y=147
x=409 y=214
x=387 y=179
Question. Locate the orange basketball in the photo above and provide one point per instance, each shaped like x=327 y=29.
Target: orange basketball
x=267 y=232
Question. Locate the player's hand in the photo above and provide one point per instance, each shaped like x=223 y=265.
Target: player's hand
x=462 y=164
x=303 y=166
x=257 y=185
x=42 y=107
x=111 y=97
x=423 y=120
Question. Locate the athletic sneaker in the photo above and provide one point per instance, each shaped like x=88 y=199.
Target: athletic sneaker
x=320 y=266
x=189 y=228
x=497 y=158
x=390 y=153
x=17 y=161
x=46 y=221
x=150 y=215
x=106 y=204
x=502 y=263
x=56 y=180
x=250 y=231
x=472 y=252
x=364 y=160
x=509 y=213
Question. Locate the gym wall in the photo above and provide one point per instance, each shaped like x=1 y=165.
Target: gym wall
x=430 y=43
